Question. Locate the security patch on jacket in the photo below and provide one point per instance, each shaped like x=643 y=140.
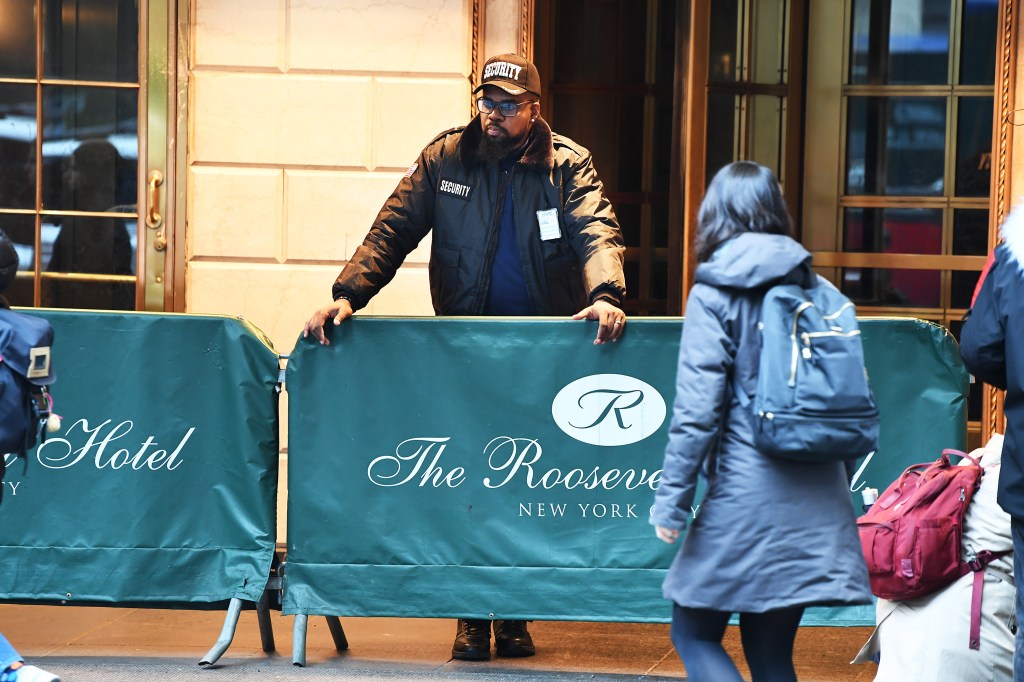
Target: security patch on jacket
x=455 y=189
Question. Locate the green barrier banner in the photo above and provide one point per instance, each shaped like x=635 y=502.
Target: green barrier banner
x=506 y=468
x=160 y=485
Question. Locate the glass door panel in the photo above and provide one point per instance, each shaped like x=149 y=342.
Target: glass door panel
x=978 y=32
x=766 y=128
x=91 y=40
x=970 y=232
x=610 y=66
x=768 y=41
x=748 y=85
x=974 y=147
x=723 y=144
x=71 y=159
x=900 y=42
x=90 y=148
x=17 y=146
x=892 y=230
x=895 y=145
x=903 y=227
x=893 y=287
x=725 y=40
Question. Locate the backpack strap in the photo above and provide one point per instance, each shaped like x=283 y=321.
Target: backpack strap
x=962 y=455
x=803 y=276
x=977 y=563
x=760 y=292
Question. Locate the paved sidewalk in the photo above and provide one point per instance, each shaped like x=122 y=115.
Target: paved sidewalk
x=85 y=644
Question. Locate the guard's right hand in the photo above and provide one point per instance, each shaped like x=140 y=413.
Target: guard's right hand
x=339 y=310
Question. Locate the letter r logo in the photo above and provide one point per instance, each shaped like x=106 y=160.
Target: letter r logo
x=609 y=409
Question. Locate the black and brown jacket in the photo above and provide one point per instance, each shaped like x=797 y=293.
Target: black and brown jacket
x=454 y=193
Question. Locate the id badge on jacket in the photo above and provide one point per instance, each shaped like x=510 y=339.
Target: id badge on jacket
x=548 y=222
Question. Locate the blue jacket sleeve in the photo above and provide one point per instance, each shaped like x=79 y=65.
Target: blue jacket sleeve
x=706 y=354
x=983 y=338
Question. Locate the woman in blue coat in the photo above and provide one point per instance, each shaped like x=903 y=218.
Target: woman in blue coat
x=771 y=536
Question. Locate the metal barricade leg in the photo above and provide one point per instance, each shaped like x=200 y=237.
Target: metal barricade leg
x=337 y=633
x=266 y=626
x=227 y=633
x=299 y=640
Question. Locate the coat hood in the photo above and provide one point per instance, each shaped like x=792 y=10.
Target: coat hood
x=754 y=259
x=539 y=154
x=1013 y=235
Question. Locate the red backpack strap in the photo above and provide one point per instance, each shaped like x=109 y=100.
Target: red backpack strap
x=984 y=273
x=961 y=454
x=978 y=564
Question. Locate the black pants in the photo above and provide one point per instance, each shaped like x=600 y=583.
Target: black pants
x=767 y=644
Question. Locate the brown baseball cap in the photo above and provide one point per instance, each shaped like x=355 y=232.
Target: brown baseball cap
x=512 y=73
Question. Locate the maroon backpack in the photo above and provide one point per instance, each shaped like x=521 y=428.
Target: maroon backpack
x=911 y=535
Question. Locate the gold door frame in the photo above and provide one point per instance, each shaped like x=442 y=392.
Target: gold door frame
x=163 y=132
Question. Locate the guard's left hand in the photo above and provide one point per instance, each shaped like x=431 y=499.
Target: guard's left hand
x=611 y=320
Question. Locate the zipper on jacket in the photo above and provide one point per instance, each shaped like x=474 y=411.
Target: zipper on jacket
x=530 y=275
x=504 y=182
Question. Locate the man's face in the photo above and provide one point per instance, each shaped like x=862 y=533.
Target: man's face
x=509 y=132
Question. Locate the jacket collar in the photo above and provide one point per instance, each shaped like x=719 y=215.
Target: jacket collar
x=539 y=155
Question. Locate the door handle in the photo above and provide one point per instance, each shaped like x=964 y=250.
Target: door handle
x=153 y=217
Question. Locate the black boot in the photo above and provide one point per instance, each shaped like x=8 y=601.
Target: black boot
x=512 y=640
x=472 y=640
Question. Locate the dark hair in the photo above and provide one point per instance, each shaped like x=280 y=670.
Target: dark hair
x=742 y=197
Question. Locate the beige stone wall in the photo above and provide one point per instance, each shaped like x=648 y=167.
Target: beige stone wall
x=303 y=116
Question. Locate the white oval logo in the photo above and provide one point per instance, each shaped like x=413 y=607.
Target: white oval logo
x=609 y=410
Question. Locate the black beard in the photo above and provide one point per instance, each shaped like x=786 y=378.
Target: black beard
x=495 y=150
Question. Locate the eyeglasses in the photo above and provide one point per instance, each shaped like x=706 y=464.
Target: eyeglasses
x=506 y=109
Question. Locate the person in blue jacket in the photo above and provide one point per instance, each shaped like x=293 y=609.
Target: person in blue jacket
x=12 y=667
x=992 y=347
x=771 y=536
